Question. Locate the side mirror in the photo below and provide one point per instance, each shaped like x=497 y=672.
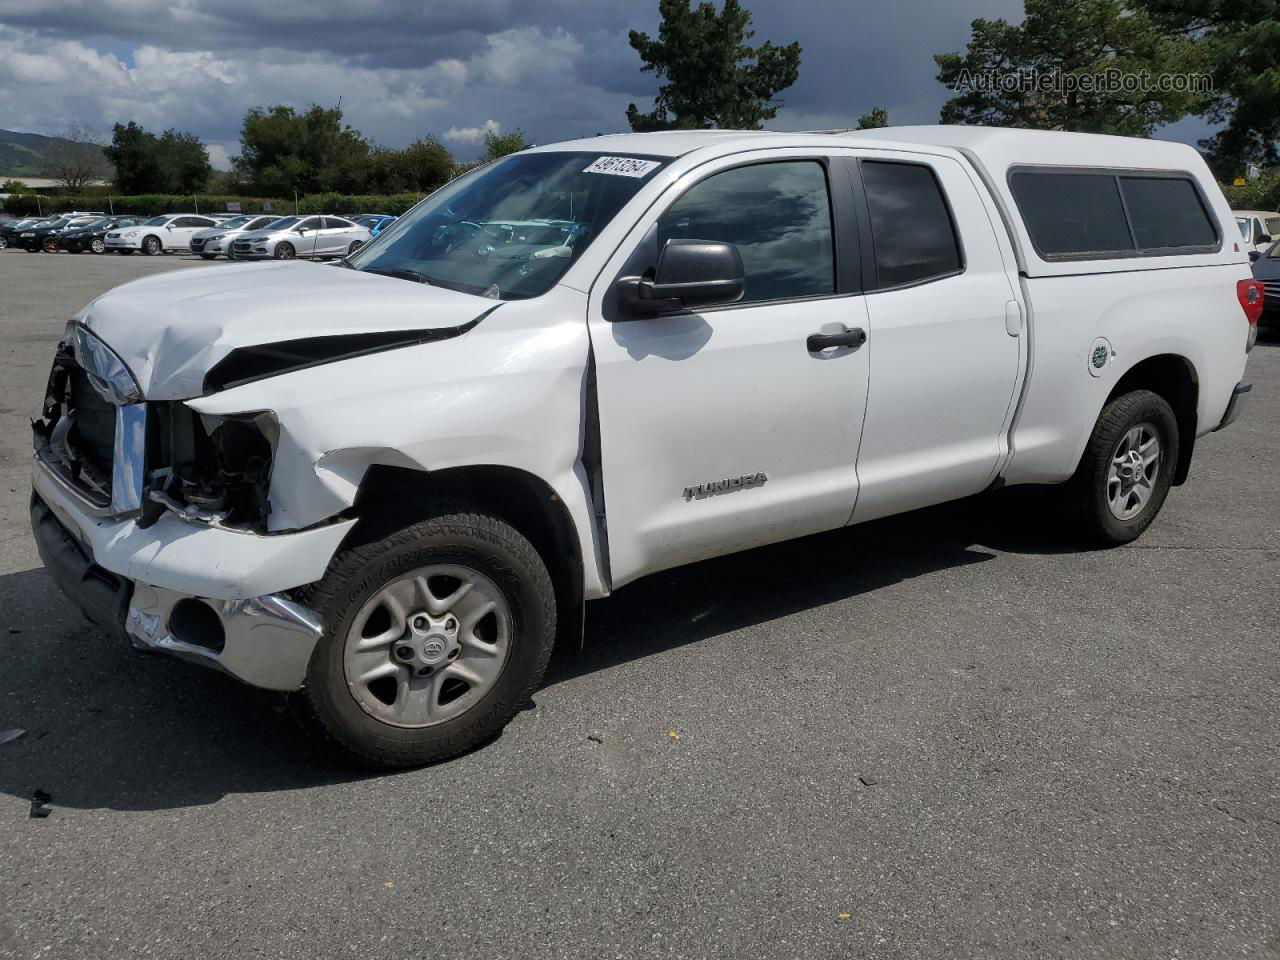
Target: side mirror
x=301 y=230
x=1254 y=255
x=690 y=273
x=1264 y=238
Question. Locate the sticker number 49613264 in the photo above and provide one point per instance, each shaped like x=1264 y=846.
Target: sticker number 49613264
x=621 y=166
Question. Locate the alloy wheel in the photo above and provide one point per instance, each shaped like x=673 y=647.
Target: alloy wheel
x=428 y=645
x=1132 y=473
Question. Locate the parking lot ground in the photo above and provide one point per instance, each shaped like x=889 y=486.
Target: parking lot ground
x=950 y=734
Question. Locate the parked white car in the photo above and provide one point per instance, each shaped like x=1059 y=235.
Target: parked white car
x=389 y=486
x=169 y=232
x=1258 y=228
x=290 y=237
x=217 y=240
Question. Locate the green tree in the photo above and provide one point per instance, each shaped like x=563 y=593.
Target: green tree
x=282 y=150
x=1052 y=71
x=420 y=167
x=15 y=186
x=133 y=154
x=170 y=163
x=1240 y=41
x=711 y=78
x=184 y=163
x=500 y=144
x=874 y=118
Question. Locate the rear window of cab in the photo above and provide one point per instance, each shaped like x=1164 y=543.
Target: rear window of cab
x=1089 y=214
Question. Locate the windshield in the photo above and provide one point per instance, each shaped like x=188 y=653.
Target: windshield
x=99 y=222
x=282 y=223
x=156 y=222
x=235 y=222
x=510 y=229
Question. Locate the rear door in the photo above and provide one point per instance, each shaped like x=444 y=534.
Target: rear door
x=305 y=236
x=720 y=429
x=178 y=233
x=947 y=341
x=338 y=235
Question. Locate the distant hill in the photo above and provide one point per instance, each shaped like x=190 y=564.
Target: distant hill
x=25 y=154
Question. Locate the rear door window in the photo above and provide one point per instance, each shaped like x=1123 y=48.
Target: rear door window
x=911 y=227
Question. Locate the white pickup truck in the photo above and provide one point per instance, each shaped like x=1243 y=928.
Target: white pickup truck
x=389 y=485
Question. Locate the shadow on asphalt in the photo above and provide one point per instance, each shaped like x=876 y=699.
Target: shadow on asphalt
x=111 y=728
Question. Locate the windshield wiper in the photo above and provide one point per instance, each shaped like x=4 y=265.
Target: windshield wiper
x=403 y=274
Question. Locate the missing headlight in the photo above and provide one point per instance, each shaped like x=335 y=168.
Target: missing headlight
x=210 y=469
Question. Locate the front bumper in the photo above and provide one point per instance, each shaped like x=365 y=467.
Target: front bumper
x=200 y=592
x=120 y=243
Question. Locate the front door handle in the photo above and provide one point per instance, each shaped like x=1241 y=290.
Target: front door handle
x=825 y=341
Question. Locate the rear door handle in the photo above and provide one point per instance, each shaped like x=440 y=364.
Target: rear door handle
x=825 y=341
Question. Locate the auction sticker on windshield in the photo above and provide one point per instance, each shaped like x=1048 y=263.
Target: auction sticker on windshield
x=622 y=166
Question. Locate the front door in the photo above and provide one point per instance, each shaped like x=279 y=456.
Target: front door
x=305 y=236
x=720 y=428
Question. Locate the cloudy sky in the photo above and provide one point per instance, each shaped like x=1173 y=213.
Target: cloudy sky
x=452 y=68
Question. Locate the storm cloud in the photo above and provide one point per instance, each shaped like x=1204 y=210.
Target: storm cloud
x=403 y=69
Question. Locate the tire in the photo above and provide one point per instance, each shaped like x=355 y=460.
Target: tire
x=1107 y=515
x=284 y=251
x=50 y=245
x=355 y=245
x=3 y=243
x=456 y=544
x=97 y=246
x=151 y=246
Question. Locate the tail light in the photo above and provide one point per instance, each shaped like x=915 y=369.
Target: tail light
x=1250 y=294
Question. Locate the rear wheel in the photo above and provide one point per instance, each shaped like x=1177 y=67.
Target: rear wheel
x=285 y=251
x=1127 y=468
x=434 y=637
x=50 y=245
x=355 y=245
x=3 y=243
x=97 y=245
x=151 y=246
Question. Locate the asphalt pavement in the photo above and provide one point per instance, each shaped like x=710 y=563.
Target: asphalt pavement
x=952 y=734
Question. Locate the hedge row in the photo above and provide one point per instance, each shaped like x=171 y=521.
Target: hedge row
x=153 y=203
x=1260 y=193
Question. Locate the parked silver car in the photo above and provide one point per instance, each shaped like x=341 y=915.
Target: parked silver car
x=217 y=240
x=319 y=236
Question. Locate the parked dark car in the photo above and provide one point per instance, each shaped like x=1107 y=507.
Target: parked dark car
x=10 y=229
x=90 y=236
x=1266 y=267
x=44 y=236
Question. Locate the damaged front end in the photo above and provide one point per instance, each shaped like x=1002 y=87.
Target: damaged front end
x=125 y=456
x=214 y=470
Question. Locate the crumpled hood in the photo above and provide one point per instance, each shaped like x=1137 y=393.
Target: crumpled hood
x=170 y=329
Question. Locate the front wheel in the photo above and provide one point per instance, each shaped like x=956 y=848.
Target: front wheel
x=285 y=251
x=50 y=245
x=3 y=243
x=434 y=637
x=1127 y=468
x=97 y=246
x=151 y=246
